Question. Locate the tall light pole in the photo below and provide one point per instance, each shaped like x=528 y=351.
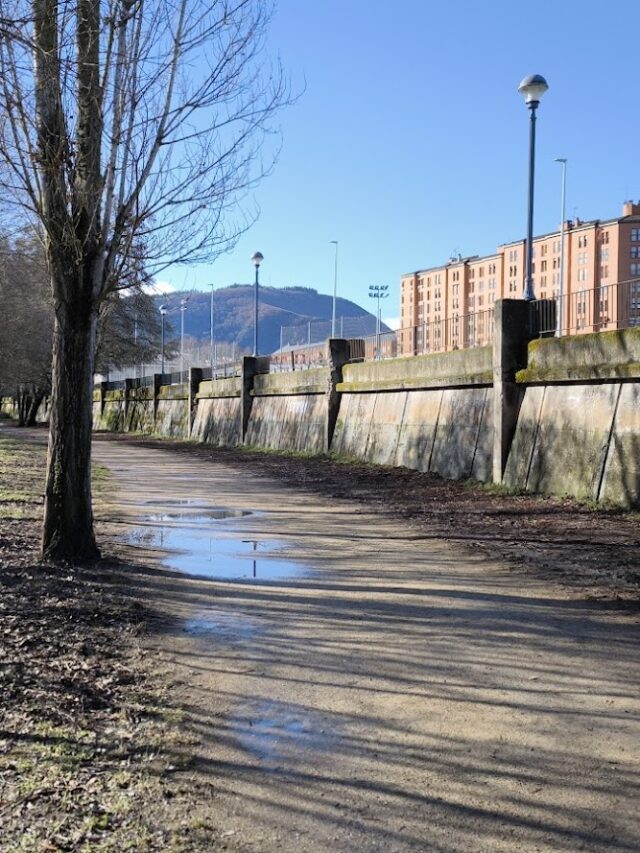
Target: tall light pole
x=378 y=292
x=211 y=338
x=135 y=340
x=163 y=311
x=335 y=289
x=532 y=89
x=563 y=221
x=183 y=308
x=256 y=259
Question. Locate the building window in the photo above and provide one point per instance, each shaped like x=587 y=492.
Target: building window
x=635 y=269
x=635 y=234
x=635 y=251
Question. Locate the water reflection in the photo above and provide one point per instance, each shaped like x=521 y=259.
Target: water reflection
x=278 y=733
x=200 y=548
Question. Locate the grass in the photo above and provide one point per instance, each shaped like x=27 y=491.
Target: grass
x=88 y=728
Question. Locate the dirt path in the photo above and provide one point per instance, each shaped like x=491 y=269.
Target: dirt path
x=396 y=694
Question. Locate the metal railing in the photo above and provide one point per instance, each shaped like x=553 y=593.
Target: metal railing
x=308 y=356
x=318 y=331
x=226 y=370
x=463 y=331
x=599 y=309
x=304 y=357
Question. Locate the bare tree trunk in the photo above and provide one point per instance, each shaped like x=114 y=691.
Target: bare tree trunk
x=36 y=400
x=68 y=516
x=22 y=405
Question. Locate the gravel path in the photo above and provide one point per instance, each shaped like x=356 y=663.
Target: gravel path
x=398 y=692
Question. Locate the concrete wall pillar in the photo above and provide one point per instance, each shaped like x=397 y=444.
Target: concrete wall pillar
x=249 y=370
x=103 y=396
x=512 y=333
x=338 y=354
x=157 y=384
x=128 y=387
x=195 y=378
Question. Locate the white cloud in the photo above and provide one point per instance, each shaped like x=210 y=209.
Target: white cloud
x=159 y=288
x=392 y=322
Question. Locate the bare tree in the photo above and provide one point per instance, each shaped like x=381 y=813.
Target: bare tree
x=123 y=120
x=27 y=325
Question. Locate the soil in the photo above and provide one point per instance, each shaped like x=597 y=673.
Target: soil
x=88 y=741
x=451 y=670
x=591 y=549
x=413 y=690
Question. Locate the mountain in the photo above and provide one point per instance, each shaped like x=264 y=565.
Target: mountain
x=293 y=308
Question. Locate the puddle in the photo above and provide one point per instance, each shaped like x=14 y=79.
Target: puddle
x=200 y=549
x=228 y=627
x=275 y=732
x=215 y=514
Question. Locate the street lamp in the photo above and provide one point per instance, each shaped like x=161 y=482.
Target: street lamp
x=563 y=220
x=335 y=290
x=532 y=89
x=212 y=359
x=256 y=259
x=378 y=291
x=163 y=311
x=183 y=308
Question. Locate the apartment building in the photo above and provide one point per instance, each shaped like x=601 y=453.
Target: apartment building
x=450 y=306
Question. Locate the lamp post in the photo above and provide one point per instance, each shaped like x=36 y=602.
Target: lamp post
x=563 y=221
x=183 y=308
x=256 y=259
x=135 y=341
x=532 y=89
x=335 y=289
x=378 y=291
x=163 y=311
x=212 y=359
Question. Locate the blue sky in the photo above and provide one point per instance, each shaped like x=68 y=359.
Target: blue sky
x=410 y=140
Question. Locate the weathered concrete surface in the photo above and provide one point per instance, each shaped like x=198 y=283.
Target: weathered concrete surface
x=458 y=367
x=296 y=422
x=405 y=696
x=511 y=336
x=217 y=421
x=231 y=387
x=581 y=440
x=606 y=355
x=313 y=381
x=445 y=431
x=172 y=416
x=7 y=407
x=140 y=414
x=621 y=476
x=111 y=415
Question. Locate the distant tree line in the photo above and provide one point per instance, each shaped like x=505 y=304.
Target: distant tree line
x=128 y=327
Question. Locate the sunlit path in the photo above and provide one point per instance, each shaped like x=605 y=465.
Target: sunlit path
x=390 y=693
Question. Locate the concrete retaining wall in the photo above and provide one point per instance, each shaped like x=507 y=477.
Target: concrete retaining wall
x=217 y=421
x=294 y=422
x=573 y=406
x=581 y=440
x=578 y=429
x=172 y=417
x=445 y=431
x=7 y=407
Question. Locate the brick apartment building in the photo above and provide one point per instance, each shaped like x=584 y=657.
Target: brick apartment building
x=449 y=307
